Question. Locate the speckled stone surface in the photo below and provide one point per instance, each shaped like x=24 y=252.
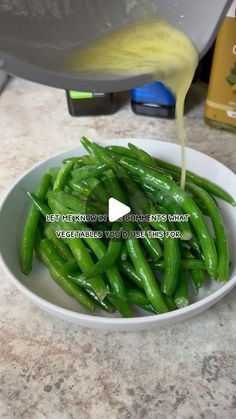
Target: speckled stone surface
x=53 y=369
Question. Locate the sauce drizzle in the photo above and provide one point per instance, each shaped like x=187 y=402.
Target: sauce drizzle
x=151 y=47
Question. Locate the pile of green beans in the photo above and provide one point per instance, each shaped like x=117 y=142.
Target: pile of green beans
x=153 y=273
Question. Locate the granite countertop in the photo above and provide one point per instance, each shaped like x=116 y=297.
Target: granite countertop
x=53 y=369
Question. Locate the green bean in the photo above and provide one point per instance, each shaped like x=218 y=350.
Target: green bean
x=198 y=278
x=90 y=171
x=99 y=192
x=173 y=208
x=135 y=296
x=81 y=161
x=98 y=152
x=112 y=185
x=53 y=172
x=156 y=179
x=170 y=303
x=121 y=151
x=219 y=229
x=108 y=259
x=152 y=245
x=69 y=159
x=186 y=252
x=96 y=245
x=70 y=266
x=104 y=304
x=175 y=171
x=63 y=175
x=81 y=254
x=61 y=246
x=86 y=160
x=39 y=204
x=102 y=226
x=142 y=156
x=128 y=270
x=171 y=258
x=100 y=207
x=77 y=194
x=51 y=253
x=140 y=204
x=199 y=204
x=184 y=264
x=137 y=257
x=148 y=279
x=172 y=263
x=123 y=252
x=75 y=204
x=77 y=248
x=181 y=294
x=112 y=273
x=47 y=254
x=121 y=305
x=38 y=237
x=80 y=187
x=139 y=156
x=185 y=231
x=29 y=232
x=75 y=278
x=148 y=307
x=85 y=262
x=102 y=155
x=87 y=286
x=209 y=186
x=198 y=275
x=191 y=241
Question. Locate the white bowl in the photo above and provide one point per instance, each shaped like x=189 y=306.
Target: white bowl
x=44 y=292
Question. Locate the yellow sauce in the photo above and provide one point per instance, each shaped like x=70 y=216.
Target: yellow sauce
x=152 y=47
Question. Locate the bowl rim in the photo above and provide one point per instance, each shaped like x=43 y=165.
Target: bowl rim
x=90 y=318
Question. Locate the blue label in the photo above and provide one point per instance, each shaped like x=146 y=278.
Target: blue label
x=154 y=93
